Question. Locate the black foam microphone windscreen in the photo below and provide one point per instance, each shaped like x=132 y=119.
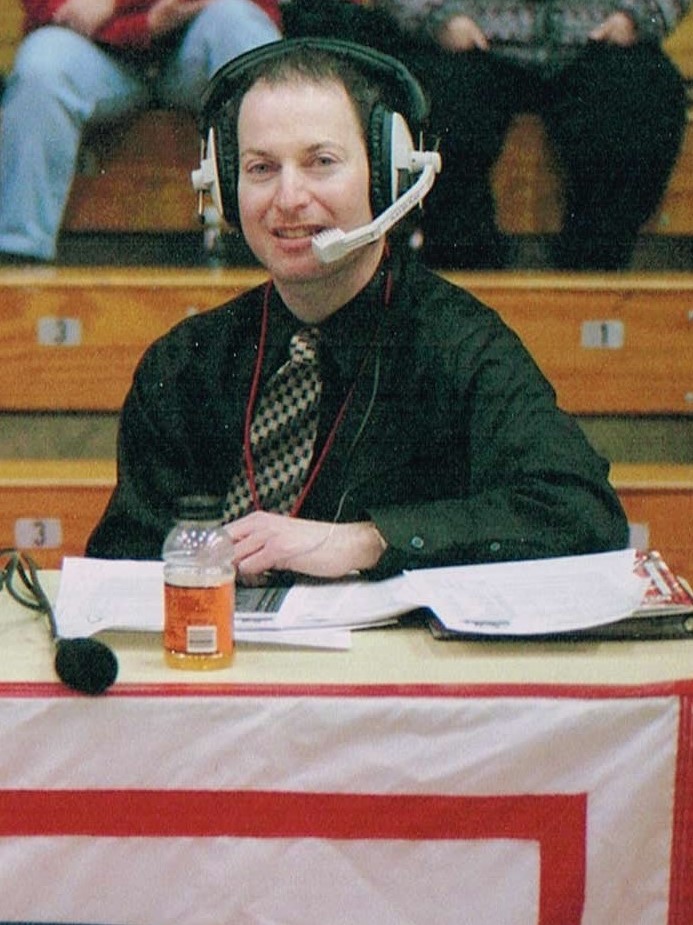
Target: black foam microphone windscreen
x=85 y=665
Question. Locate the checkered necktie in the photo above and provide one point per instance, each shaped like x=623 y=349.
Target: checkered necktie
x=282 y=433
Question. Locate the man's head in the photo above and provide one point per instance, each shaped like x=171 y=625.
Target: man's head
x=379 y=86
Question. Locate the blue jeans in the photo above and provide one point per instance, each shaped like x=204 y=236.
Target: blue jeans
x=62 y=82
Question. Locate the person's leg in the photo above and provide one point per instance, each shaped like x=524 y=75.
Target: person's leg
x=473 y=97
x=221 y=32
x=60 y=81
x=616 y=118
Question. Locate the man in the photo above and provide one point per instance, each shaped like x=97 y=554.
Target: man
x=93 y=62
x=438 y=439
x=612 y=103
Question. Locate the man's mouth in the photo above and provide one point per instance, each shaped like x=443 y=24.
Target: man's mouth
x=303 y=231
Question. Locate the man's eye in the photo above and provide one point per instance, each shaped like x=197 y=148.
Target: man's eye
x=258 y=169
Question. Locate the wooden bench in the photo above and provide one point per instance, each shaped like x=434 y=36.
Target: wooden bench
x=610 y=344
x=658 y=501
x=70 y=339
x=50 y=507
x=135 y=177
x=527 y=186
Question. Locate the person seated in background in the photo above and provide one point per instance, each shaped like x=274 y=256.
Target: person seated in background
x=91 y=62
x=436 y=440
x=612 y=103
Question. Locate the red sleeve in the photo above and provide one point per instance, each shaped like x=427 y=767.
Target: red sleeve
x=271 y=7
x=129 y=27
x=39 y=12
x=129 y=30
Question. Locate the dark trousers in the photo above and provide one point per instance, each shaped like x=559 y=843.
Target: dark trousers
x=615 y=118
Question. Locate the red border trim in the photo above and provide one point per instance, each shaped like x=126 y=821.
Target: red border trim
x=558 y=822
x=681 y=688
x=681 y=884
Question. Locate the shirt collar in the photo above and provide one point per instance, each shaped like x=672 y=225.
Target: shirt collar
x=347 y=333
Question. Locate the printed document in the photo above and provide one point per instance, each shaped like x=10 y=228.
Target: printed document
x=511 y=598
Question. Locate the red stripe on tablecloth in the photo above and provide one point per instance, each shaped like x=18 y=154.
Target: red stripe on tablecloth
x=684 y=687
x=681 y=888
x=556 y=821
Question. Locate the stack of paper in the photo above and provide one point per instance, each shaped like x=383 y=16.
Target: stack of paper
x=543 y=596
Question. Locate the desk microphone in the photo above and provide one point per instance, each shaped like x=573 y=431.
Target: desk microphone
x=85 y=665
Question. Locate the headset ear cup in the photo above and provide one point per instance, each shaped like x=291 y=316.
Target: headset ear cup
x=380 y=158
x=227 y=169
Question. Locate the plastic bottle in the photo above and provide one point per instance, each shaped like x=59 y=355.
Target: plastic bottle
x=199 y=587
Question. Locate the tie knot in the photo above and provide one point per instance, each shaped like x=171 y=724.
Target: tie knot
x=304 y=345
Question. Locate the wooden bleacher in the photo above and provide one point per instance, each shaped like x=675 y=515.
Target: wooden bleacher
x=658 y=501
x=70 y=338
x=48 y=507
x=610 y=344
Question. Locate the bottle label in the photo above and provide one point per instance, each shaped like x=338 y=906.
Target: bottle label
x=199 y=619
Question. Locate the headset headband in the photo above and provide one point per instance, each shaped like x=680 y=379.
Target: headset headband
x=407 y=94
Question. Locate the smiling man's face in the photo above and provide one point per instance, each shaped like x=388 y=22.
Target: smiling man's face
x=303 y=169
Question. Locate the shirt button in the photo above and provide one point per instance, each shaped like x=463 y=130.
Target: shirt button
x=495 y=546
x=416 y=542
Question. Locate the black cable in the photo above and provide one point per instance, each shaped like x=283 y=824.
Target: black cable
x=86 y=665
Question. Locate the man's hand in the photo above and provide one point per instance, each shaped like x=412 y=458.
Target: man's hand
x=84 y=16
x=264 y=542
x=167 y=15
x=618 y=29
x=461 y=34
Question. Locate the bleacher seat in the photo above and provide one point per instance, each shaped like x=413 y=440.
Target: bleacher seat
x=610 y=344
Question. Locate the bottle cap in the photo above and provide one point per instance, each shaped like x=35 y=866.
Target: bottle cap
x=200 y=507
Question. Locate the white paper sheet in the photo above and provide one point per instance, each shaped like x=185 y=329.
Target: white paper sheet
x=530 y=597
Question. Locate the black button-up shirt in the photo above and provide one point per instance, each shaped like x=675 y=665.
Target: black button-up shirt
x=452 y=442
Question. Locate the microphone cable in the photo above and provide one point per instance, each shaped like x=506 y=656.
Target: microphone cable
x=83 y=664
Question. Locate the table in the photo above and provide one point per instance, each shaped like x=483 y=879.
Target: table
x=404 y=781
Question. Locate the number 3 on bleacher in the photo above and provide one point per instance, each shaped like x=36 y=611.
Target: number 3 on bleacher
x=38 y=533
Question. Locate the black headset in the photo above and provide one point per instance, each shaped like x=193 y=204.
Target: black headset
x=405 y=112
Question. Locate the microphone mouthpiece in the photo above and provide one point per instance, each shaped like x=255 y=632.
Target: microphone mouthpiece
x=332 y=244
x=85 y=665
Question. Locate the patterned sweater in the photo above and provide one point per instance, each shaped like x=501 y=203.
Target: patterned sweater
x=543 y=32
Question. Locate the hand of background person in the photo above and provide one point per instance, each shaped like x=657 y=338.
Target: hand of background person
x=167 y=15
x=617 y=29
x=462 y=34
x=265 y=541
x=84 y=16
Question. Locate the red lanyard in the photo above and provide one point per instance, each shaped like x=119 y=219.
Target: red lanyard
x=252 y=398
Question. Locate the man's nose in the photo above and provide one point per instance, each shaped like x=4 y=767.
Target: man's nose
x=292 y=191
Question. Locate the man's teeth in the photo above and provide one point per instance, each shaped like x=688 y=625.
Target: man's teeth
x=295 y=232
